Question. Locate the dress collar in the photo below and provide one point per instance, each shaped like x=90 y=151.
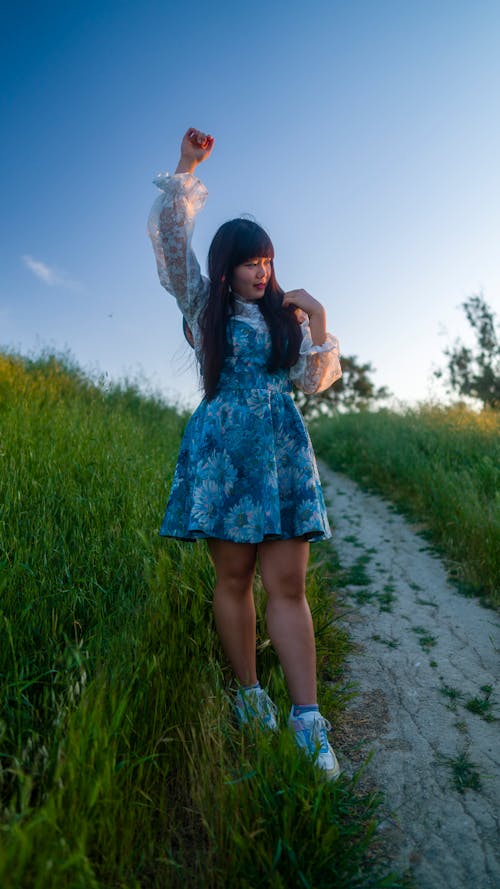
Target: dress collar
x=244 y=307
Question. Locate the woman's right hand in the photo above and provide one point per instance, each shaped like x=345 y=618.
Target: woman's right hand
x=196 y=146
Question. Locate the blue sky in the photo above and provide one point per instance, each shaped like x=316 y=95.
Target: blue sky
x=364 y=135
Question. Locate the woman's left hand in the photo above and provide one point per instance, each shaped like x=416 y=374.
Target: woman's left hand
x=303 y=300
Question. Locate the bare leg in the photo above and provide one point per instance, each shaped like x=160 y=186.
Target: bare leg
x=283 y=566
x=234 y=607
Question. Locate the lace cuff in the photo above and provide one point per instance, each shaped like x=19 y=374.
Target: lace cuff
x=170 y=227
x=317 y=367
x=186 y=184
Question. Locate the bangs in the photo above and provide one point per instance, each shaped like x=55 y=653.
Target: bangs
x=234 y=243
x=251 y=242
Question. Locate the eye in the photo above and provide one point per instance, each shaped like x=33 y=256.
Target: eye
x=265 y=259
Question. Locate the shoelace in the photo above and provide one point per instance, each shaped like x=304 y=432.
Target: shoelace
x=266 y=706
x=319 y=729
x=258 y=704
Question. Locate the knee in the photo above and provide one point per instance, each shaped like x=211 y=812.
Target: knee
x=235 y=581
x=285 y=584
x=234 y=565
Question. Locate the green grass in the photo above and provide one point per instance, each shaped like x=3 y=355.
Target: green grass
x=389 y=643
x=425 y=639
x=356 y=574
x=453 y=694
x=482 y=706
x=442 y=467
x=120 y=765
x=464 y=772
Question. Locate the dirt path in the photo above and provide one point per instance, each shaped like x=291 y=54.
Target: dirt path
x=423 y=654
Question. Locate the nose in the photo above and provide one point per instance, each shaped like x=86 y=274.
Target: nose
x=262 y=270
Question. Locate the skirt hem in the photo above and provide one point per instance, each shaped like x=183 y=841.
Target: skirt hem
x=310 y=536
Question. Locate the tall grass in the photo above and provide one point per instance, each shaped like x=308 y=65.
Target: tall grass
x=440 y=464
x=120 y=765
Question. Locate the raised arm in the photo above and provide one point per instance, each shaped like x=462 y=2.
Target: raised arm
x=314 y=311
x=318 y=365
x=171 y=226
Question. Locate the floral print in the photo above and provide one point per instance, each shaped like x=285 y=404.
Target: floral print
x=246 y=470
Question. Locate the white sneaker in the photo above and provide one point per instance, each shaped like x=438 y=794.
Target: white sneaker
x=256 y=705
x=310 y=733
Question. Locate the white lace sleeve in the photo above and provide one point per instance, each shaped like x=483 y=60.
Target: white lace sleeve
x=317 y=367
x=170 y=227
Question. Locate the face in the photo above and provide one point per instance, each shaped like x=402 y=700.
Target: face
x=250 y=279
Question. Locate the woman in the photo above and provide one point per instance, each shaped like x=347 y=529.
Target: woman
x=246 y=478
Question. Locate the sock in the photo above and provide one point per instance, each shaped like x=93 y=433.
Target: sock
x=299 y=709
x=246 y=688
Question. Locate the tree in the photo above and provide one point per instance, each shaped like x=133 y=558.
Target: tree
x=354 y=391
x=475 y=371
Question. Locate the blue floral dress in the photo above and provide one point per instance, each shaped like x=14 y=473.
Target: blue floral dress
x=246 y=470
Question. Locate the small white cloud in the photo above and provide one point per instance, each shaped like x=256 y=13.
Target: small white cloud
x=47 y=274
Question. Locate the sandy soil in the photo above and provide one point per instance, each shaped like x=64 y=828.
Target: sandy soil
x=422 y=654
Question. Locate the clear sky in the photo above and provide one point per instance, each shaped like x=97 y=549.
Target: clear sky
x=363 y=134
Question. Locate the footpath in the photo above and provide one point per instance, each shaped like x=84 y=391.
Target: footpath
x=426 y=666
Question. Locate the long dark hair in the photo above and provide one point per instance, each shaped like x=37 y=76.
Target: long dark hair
x=234 y=243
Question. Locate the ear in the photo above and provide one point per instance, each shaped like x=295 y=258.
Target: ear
x=223 y=278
